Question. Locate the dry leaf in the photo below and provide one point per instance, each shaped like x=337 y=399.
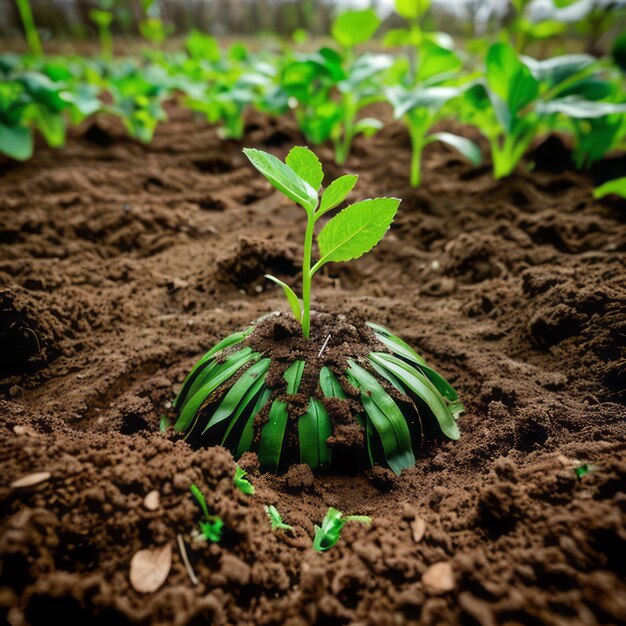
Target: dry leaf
x=149 y=569
x=152 y=500
x=30 y=480
x=439 y=578
x=418 y=528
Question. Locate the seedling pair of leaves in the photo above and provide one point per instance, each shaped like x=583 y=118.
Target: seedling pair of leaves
x=430 y=100
x=328 y=534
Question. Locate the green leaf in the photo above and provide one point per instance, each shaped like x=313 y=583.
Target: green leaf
x=245 y=442
x=330 y=385
x=275 y=518
x=354 y=27
x=436 y=60
x=293 y=376
x=356 y=230
x=241 y=483
x=419 y=384
x=231 y=340
x=386 y=417
x=16 y=142
x=616 y=186
x=250 y=396
x=306 y=165
x=237 y=392
x=579 y=108
x=212 y=529
x=336 y=192
x=199 y=496
x=555 y=70
x=465 y=146
x=220 y=375
x=293 y=300
x=395 y=344
x=283 y=178
x=314 y=428
x=509 y=78
x=272 y=436
x=411 y=9
x=327 y=535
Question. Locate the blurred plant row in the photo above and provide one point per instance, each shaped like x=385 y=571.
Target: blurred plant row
x=335 y=93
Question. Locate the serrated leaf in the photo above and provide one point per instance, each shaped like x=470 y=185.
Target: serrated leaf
x=356 y=230
x=336 y=192
x=465 y=146
x=306 y=165
x=616 y=186
x=314 y=428
x=293 y=300
x=354 y=27
x=283 y=178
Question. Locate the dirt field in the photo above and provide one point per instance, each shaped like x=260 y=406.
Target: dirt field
x=121 y=264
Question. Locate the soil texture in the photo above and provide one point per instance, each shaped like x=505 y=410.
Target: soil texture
x=120 y=264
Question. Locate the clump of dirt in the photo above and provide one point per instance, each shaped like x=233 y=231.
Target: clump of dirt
x=512 y=289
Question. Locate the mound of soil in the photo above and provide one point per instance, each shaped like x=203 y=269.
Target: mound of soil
x=121 y=263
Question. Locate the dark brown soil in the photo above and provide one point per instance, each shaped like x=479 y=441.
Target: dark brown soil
x=120 y=264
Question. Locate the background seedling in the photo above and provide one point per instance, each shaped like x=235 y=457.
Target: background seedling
x=328 y=534
x=241 y=483
x=275 y=518
x=211 y=526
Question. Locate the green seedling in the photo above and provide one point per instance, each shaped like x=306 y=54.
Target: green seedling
x=30 y=29
x=275 y=519
x=103 y=18
x=583 y=469
x=241 y=483
x=223 y=400
x=211 y=526
x=350 y=234
x=328 y=534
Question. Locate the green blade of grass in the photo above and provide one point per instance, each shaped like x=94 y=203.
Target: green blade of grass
x=272 y=436
x=245 y=442
x=221 y=374
x=237 y=392
x=417 y=383
x=314 y=428
x=250 y=397
x=440 y=383
x=231 y=340
x=395 y=344
x=386 y=418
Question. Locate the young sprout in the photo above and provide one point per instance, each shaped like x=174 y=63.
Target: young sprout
x=275 y=518
x=212 y=525
x=351 y=233
x=241 y=483
x=328 y=534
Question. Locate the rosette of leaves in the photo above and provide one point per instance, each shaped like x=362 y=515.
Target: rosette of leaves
x=286 y=406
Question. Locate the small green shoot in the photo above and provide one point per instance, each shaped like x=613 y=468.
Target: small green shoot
x=328 y=534
x=351 y=233
x=583 y=469
x=241 y=483
x=617 y=187
x=275 y=518
x=212 y=525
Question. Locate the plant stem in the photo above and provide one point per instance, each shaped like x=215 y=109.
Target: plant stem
x=417 y=145
x=30 y=30
x=307 y=275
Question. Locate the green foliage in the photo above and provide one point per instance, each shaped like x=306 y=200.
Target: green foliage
x=275 y=519
x=328 y=534
x=211 y=526
x=354 y=27
x=349 y=235
x=582 y=470
x=617 y=186
x=241 y=483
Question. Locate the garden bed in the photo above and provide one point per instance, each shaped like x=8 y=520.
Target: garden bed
x=120 y=264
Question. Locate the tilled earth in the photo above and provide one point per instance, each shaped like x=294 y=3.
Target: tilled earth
x=120 y=264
